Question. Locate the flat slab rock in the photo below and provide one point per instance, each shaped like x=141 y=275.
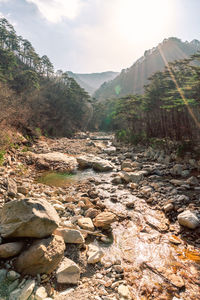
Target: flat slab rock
x=55 y=160
x=71 y=236
x=97 y=163
x=28 y=218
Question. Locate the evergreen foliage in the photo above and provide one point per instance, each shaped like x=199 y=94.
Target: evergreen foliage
x=32 y=95
x=169 y=108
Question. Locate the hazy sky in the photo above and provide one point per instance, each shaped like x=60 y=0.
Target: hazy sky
x=100 y=35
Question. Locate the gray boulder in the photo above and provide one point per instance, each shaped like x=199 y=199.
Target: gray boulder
x=188 y=219
x=97 y=163
x=28 y=218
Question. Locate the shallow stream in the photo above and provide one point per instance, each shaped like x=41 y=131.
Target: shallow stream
x=157 y=263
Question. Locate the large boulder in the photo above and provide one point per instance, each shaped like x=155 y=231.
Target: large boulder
x=43 y=256
x=68 y=272
x=97 y=163
x=54 y=161
x=28 y=218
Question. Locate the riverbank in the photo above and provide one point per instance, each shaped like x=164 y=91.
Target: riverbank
x=132 y=226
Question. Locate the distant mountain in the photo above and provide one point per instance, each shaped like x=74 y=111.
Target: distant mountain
x=91 y=82
x=133 y=79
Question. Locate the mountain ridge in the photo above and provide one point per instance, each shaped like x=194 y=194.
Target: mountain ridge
x=92 y=81
x=133 y=79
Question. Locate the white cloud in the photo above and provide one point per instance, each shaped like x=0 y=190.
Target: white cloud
x=55 y=10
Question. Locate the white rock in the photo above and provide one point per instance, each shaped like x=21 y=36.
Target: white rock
x=58 y=207
x=40 y=293
x=67 y=291
x=94 y=254
x=188 y=219
x=123 y=291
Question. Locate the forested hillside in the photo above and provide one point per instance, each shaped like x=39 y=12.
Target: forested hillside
x=32 y=97
x=132 y=80
x=91 y=82
x=169 y=108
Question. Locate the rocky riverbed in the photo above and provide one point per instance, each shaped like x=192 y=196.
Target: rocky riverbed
x=126 y=226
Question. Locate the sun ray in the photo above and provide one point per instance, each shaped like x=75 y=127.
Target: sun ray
x=178 y=88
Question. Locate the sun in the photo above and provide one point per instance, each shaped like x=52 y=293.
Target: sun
x=143 y=19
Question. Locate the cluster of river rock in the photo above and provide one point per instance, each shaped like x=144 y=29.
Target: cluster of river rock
x=131 y=231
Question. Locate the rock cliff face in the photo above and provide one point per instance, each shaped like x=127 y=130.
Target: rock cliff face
x=133 y=79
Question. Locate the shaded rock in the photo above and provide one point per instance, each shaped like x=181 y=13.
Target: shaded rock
x=188 y=219
x=68 y=272
x=86 y=223
x=11 y=187
x=12 y=286
x=10 y=249
x=185 y=173
x=12 y=275
x=43 y=256
x=94 y=254
x=3 y=273
x=28 y=218
x=126 y=164
x=91 y=213
x=177 y=169
x=117 y=180
x=71 y=236
x=104 y=219
x=22 y=190
x=192 y=180
x=23 y=294
x=176 y=182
